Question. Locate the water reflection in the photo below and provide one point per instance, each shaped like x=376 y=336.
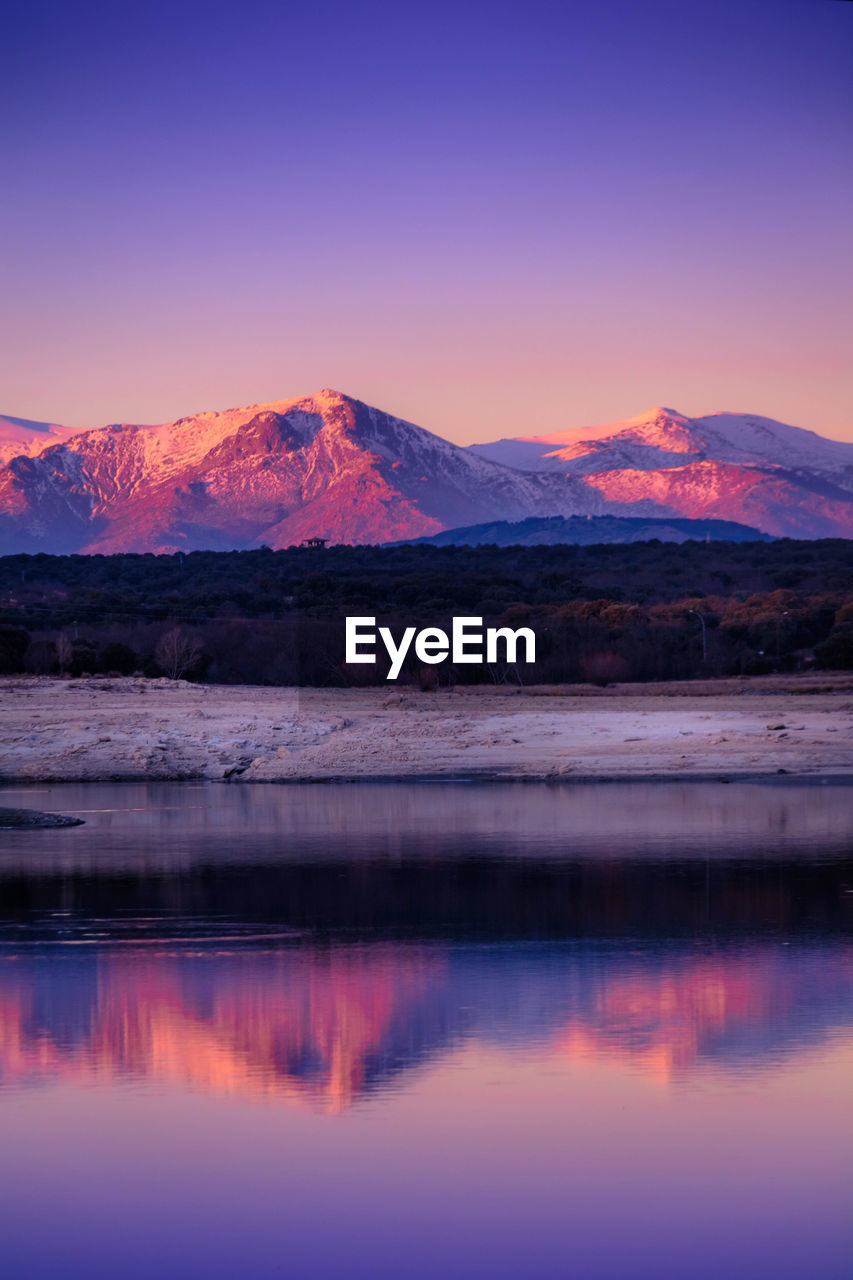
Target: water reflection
x=169 y=826
x=321 y=944
x=421 y=1032
x=327 y=1027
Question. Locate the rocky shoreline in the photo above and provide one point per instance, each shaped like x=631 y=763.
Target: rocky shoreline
x=135 y=729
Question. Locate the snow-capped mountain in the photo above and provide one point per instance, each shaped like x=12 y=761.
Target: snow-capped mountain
x=321 y=466
x=332 y=467
x=23 y=436
x=663 y=437
x=781 y=479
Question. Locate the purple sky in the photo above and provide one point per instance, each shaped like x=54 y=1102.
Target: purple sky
x=491 y=219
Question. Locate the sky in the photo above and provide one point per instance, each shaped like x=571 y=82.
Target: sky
x=490 y=219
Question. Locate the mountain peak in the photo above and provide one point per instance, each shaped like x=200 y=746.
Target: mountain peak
x=659 y=411
x=784 y=480
x=660 y=428
x=324 y=465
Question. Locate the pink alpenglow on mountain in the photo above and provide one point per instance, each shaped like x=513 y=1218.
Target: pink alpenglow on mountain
x=331 y=467
x=781 y=479
x=22 y=436
x=272 y=474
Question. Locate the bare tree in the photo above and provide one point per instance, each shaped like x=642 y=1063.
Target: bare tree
x=177 y=652
x=64 y=651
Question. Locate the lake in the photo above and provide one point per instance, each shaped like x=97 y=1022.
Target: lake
x=408 y=1031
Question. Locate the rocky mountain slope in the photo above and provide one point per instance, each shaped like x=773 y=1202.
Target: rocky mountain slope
x=781 y=479
x=324 y=465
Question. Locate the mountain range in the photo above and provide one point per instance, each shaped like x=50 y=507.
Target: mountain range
x=330 y=466
x=780 y=479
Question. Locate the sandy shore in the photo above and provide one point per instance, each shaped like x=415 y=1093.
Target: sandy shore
x=87 y=730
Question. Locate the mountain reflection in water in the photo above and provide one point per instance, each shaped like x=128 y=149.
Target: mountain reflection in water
x=428 y=1031
x=326 y=1027
x=320 y=944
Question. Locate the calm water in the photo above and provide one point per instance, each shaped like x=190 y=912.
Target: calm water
x=428 y=1031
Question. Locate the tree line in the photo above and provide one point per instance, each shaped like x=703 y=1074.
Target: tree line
x=642 y=611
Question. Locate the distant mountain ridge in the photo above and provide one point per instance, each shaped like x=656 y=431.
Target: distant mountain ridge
x=330 y=466
x=592 y=531
x=664 y=436
x=24 y=436
x=782 y=479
